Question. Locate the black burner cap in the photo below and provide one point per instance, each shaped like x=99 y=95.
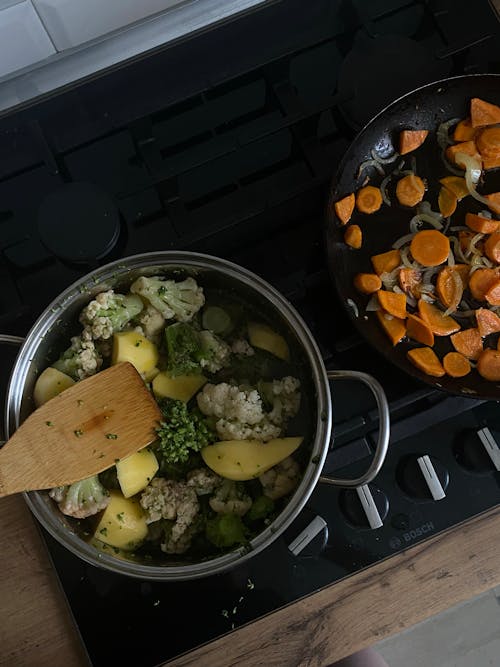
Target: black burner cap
x=79 y=223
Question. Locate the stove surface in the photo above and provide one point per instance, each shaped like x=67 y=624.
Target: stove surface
x=233 y=156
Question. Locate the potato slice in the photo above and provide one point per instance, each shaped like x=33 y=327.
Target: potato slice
x=131 y=346
x=123 y=523
x=136 y=471
x=50 y=383
x=180 y=387
x=245 y=459
x=262 y=336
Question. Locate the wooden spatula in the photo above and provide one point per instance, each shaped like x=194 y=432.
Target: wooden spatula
x=80 y=432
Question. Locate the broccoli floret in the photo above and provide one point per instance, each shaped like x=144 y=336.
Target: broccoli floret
x=190 y=351
x=181 y=432
x=225 y=530
x=261 y=507
x=81 y=499
x=82 y=359
x=110 y=312
x=179 y=300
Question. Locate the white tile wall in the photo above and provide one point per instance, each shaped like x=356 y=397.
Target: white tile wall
x=8 y=3
x=23 y=40
x=73 y=22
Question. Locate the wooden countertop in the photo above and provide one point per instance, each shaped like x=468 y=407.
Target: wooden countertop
x=36 y=629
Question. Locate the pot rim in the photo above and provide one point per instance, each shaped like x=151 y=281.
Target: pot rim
x=186 y=260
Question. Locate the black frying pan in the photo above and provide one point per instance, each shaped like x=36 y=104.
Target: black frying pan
x=424 y=108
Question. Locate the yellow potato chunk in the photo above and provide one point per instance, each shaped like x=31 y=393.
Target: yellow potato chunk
x=131 y=346
x=123 y=523
x=262 y=336
x=50 y=383
x=136 y=471
x=180 y=387
x=245 y=459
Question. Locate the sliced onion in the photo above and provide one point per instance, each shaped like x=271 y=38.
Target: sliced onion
x=442 y=133
x=460 y=228
x=451 y=258
x=427 y=287
x=370 y=163
x=388 y=317
x=457 y=248
x=413 y=164
x=425 y=217
x=463 y=314
x=472 y=176
x=411 y=301
x=383 y=190
x=384 y=160
x=398 y=168
x=399 y=243
x=354 y=307
x=372 y=304
x=429 y=273
x=471 y=248
x=485 y=214
x=450 y=167
x=406 y=260
x=427 y=298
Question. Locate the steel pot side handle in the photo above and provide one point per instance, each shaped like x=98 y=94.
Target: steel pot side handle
x=383 y=431
x=9 y=340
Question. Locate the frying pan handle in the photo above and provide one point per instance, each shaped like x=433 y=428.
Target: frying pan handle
x=383 y=431
x=9 y=340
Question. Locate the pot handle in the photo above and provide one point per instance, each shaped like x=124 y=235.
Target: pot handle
x=383 y=431
x=9 y=340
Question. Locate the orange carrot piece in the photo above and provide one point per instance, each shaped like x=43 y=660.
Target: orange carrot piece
x=367 y=283
x=410 y=281
x=449 y=287
x=419 y=330
x=410 y=140
x=467 y=147
x=456 y=365
x=393 y=303
x=426 y=360
x=480 y=224
x=354 y=236
x=464 y=131
x=483 y=113
x=429 y=247
x=488 y=365
x=492 y=247
x=468 y=342
x=344 y=208
x=494 y=202
x=465 y=238
x=480 y=282
x=463 y=271
x=440 y=324
x=491 y=163
x=493 y=294
x=455 y=184
x=488 y=322
x=410 y=190
x=488 y=142
x=447 y=202
x=386 y=261
x=393 y=327
x=368 y=199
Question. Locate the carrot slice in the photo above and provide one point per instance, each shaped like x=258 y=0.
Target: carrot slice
x=367 y=283
x=440 y=324
x=491 y=163
x=487 y=322
x=419 y=330
x=468 y=342
x=483 y=113
x=368 y=199
x=493 y=294
x=410 y=190
x=488 y=365
x=449 y=287
x=456 y=365
x=410 y=140
x=492 y=247
x=488 y=142
x=455 y=184
x=344 y=208
x=464 y=131
x=463 y=271
x=426 y=360
x=429 y=247
x=393 y=327
x=480 y=224
x=494 y=202
x=467 y=147
x=353 y=236
x=386 y=261
x=480 y=282
x=447 y=202
x=410 y=281
x=392 y=303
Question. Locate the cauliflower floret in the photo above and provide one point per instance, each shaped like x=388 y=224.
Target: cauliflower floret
x=281 y=479
x=151 y=323
x=215 y=352
x=243 y=347
x=109 y=312
x=180 y=300
x=230 y=498
x=82 y=359
x=231 y=403
x=285 y=397
x=178 y=543
x=81 y=499
x=203 y=481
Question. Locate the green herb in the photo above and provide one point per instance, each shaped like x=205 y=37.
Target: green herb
x=138 y=342
x=50 y=423
x=79 y=402
x=104 y=531
x=78 y=433
x=101 y=455
x=118 y=461
x=111 y=436
x=119 y=516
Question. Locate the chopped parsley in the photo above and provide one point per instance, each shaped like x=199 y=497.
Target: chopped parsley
x=111 y=436
x=50 y=423
x=104 y=531
x=120 y=516
x=78 y=433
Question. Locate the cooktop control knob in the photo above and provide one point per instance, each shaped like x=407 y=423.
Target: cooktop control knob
x=423 y=477
x=364 y=507
x=477 y=450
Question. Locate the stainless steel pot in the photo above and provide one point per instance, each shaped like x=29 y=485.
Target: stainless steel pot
x=50 y=334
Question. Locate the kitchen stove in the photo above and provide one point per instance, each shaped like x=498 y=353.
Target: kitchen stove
x=226 y=143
